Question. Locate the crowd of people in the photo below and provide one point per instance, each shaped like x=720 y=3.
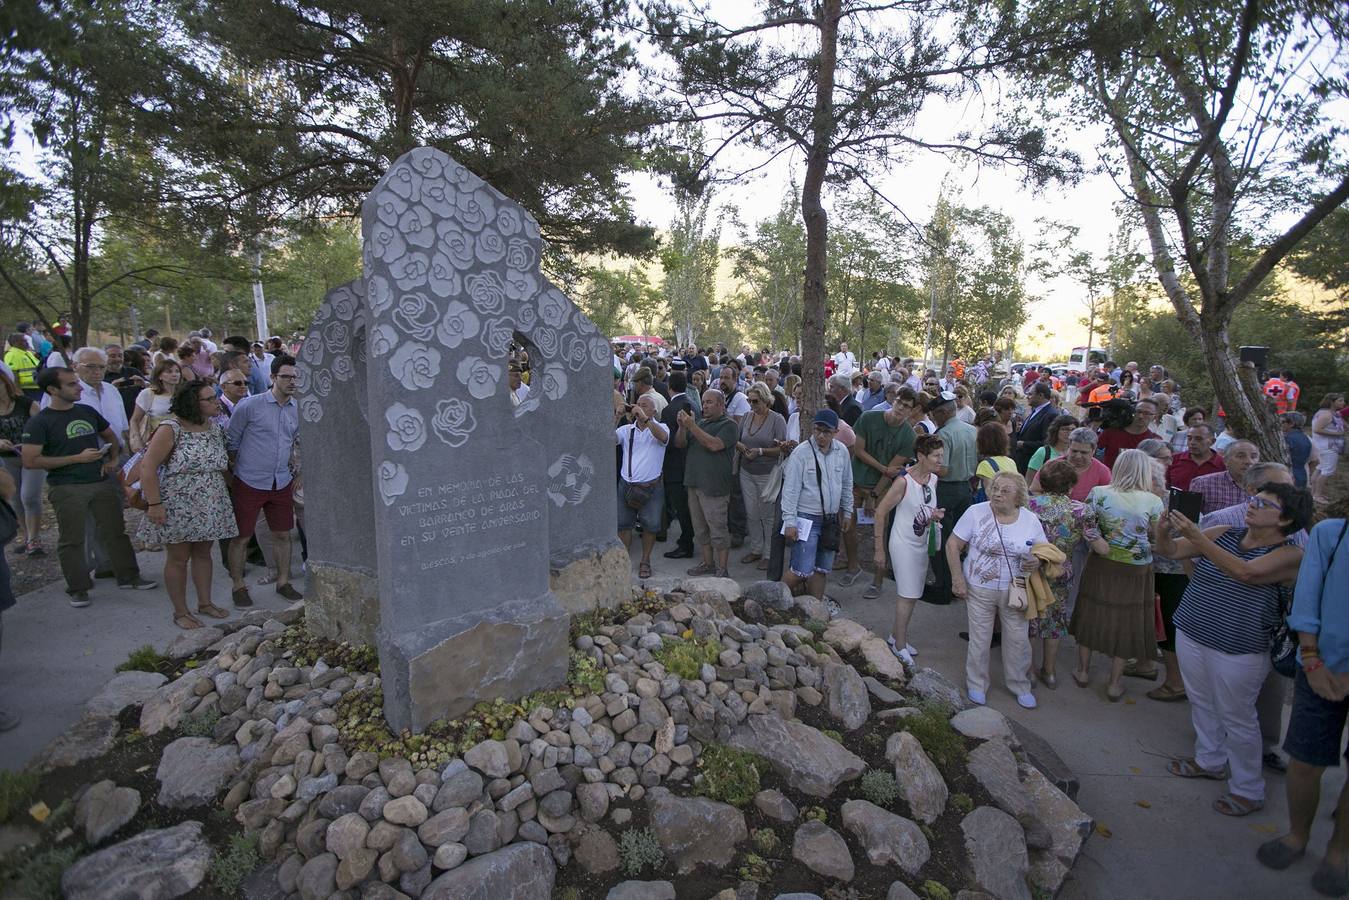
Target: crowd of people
x=201 y=437
x=1095 y=505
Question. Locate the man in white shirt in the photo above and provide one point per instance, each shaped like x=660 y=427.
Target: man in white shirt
x=736 y=404
x=844 y=362
x=519 y=390
x=641 y=491
x=206 y=341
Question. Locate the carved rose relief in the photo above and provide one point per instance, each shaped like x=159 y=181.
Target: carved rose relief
x=508 y=221
x=553 y=381
x=479 y=376
x=457 y=325
x=310 y=409
x=438 y=197
x=388 y=207
x=343 y=368
x=489 y=246
x=407 y=428
x=475 y=209
x=415 y=225
x=337 y=337
x=521 y=286
x=382 y=339
x=486 y=292
x=415 y=365
x=545 y=339
x=520 y=255
x=393 y=481
x=574 y=351
x=410 y=271
x=385 y=242
x=454 y=421
x=344 y=304
x=415 y=315
x=554 y=308
x=381 y=294
x=443 y=279
x=455 y=243
x=404 y=182
x=497 y=335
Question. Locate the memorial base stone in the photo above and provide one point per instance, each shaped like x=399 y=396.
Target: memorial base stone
x=342 y=604
x=601 y=579
x=445 y=668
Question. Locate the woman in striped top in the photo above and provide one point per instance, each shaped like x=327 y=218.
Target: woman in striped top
x=1223 y=628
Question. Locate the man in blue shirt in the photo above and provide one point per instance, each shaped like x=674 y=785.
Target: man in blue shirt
x=1320 y=616
x=260 y=439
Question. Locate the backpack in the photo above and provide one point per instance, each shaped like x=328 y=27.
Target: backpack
x=979 y=495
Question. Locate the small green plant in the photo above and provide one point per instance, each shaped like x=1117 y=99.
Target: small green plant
x=638 y=848
x=756 y=869
x=145 y=659
x=569 y=893
x=928 y=833
x=879 y=787
x=932 y=727
x=815 y=627
x=306 y=649
x=765 y=840
x=39 y=877
x=200 y=725
x=16 y=792
x=962 y=803
x=584 y=674
x=832 y=735
x=229 y=869
x=686 y=658
x=729 y=775
x=934 y=890
x=815 y=813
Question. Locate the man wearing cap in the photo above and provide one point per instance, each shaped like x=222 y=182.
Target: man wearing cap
x=710 y=441
x=817 y=482
x=953 y=480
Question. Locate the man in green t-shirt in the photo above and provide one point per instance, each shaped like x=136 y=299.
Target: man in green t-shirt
x=883 y=447
x=707 y=477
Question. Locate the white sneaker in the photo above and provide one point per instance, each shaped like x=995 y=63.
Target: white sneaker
x=1027 y=700
x=905 y=653
x=832 y=605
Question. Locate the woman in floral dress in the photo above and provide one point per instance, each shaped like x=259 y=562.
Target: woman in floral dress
x=183 y=481
x=1065 y=521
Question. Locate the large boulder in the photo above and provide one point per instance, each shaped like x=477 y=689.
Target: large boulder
x=103 y=809
x=693 y=831
x=823 y=850
x=846 y=695
x=1067 y=825
x=888 y=838
x=523 y=871
x=982 y=722
x=996 y=846
x=641 y=890
x=154 y=865
x=878 y=655
x=125 y=689
x=935 y=687
x=810 y=762
x=91 y=736
x=995 y=768
x=193 y=770
x=770 y=595
x=190 y=643
x=920 y=784
x=727 y=588
x=165 y=708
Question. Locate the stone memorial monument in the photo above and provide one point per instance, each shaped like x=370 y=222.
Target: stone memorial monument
x=440 y=515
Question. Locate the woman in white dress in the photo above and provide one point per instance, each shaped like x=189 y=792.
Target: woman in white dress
x=913 y=498
x=1328 y=439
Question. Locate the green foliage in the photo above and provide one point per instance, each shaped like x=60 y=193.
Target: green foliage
x=200 y=724
x=307 y=649
x=755 y=868
x=613 y=298
x=815 y=627
x=729 y=775
x=39 y=877
x=941 y=742
x=769 y=263
x=145 y=659
x=962 y=803
x=584 y=675
x=639 y=849
x=832 y=734
x=686 y=657
x=879 y=787
x=868 y=282
x=815 y=814
x=229 y=869
x=765 y=840
x=934 y=890
x=16 y=791
x=570 y=893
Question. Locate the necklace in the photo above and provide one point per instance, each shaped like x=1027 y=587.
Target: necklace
x=750 y=430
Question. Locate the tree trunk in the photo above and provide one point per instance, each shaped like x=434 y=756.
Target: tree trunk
x=814 y=298
x=1238 y=391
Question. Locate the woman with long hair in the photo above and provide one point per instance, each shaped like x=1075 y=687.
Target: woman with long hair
x=15 y=411
x=152 y=403
x=913 y=497
x=189 y=503
x=1114 y=610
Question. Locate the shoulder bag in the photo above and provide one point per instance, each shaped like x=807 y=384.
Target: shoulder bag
x=1016 y=589
x=636 y=495
x=1283 y=644
x=829 y=526
x=130 y=474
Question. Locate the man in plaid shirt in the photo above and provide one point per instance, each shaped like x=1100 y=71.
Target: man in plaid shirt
x=1223 y=489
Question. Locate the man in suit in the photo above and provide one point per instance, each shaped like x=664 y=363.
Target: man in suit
x=1035 y=429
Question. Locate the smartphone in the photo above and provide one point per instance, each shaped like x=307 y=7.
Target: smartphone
x=1187 y=503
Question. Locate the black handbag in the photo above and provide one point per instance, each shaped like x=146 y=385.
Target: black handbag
x=9 y=522
x=635 y=496
x=829 y=528
x=1283 y=645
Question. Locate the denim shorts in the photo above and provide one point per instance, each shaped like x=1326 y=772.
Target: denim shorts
x=650 y=515
x=807 y=557
x=1315 y=726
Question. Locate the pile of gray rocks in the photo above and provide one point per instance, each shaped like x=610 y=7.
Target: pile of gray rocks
x=500 y=820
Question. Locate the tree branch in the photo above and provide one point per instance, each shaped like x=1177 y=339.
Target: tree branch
x=1281 y=247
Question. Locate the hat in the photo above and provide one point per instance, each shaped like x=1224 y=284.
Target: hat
x=677 y=364
x=828 y=418
x=941 y=399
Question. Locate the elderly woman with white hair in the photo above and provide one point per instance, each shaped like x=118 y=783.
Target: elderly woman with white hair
x=1115 y=598
x=999 y=534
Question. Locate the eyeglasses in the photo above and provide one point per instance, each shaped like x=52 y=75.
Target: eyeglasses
x=211 y=399
x=1262 y=503
x=285 y=377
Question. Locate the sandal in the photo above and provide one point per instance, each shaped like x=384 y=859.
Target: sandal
x=750 y=558
x=1132 y=671
x=1277 y=855
x=850 y=577
x=1081 y=678
x=1234 y=805
x=187 y=622
x=1114 y=696
x=1188 y=768
x=644 y=570
x=1331 y=881
x=215 y=612
x=1167 y=694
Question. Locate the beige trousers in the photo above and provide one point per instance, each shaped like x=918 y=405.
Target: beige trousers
x=983 y=606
